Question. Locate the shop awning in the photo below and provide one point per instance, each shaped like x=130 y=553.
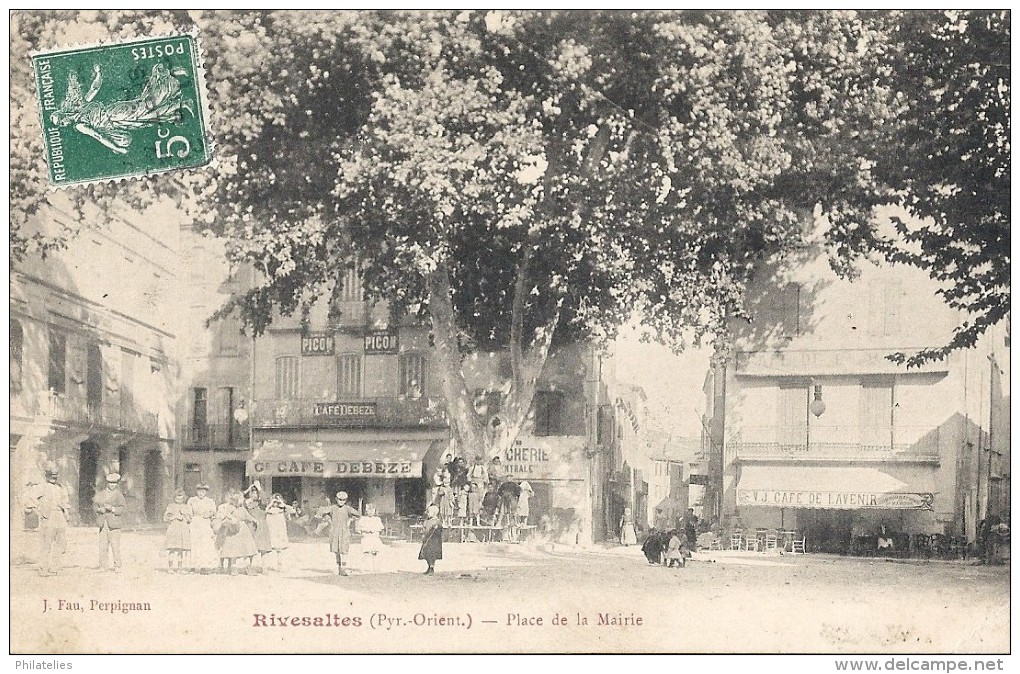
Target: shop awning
x=836 y=487
x=385 y=459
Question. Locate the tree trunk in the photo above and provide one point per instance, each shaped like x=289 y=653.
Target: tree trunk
x=467 y=425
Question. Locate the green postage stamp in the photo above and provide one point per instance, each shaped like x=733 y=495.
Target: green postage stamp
x=122 y=110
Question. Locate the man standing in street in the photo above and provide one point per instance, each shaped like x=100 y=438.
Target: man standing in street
x=691 y=529
x=52 y=504
x=109 y=506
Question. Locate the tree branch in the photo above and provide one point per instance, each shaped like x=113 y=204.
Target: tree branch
x=517 y=316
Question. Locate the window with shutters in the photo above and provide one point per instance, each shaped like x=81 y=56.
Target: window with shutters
x=789 y=308
x=17 y=355
x=351 y=290
x=288 y=374
x=94 y=380
x=127 y=384
x=548 y=407
x=200 y=414
x=885 y=308
x=412 y=375
x=876 y=414
x=792 y=431
x=348 y=376
x=227 y=428
x=57 y=370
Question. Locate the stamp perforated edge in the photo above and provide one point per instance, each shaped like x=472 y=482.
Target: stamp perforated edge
x=203 y=94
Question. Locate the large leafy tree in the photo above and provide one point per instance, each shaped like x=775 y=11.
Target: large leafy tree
x=515 y=179
x=948 y=159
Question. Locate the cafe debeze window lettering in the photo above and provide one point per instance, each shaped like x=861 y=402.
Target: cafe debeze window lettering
x=834 y=499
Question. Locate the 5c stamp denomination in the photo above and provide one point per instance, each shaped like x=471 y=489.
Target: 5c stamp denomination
x=122 y=110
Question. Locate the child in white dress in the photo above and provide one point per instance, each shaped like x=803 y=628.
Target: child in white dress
x=370 y=525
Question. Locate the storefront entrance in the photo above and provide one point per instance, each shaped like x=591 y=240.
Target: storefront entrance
x=827 y=530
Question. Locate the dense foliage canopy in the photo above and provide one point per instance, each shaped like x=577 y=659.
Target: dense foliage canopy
x=520 y=177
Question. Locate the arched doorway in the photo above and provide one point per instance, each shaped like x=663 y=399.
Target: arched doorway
x=88 y=467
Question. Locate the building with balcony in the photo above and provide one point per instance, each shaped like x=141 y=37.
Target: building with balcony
x=348 y=400
x=216 y=371
x=818 y=431
x=92 y=366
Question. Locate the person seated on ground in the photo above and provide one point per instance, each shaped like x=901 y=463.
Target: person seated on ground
x=677 y=551
x=707 y=539
x=885 y=539
x=654 y=546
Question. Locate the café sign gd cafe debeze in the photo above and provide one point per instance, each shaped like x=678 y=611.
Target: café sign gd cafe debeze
x=385 y=469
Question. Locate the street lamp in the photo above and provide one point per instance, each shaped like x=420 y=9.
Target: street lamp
x=817 y=405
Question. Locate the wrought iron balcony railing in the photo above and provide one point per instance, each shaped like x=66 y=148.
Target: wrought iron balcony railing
x=381 y=412
x=837 y=443
x=215 y=436
x=60 y=408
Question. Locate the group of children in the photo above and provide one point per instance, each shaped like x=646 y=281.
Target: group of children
x=669 y=548
x=479 y=494
x=204 y=537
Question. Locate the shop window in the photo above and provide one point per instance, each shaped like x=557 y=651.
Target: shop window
x=57 y=371
x=412 y=375
x=288 y=373
x=348 y=375
x=548 y=407
x=17 y=355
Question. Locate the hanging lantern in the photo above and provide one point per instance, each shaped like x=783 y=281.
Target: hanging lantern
x=818 y=405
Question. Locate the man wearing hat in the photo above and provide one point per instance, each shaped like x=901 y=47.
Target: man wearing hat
x=109 y=506
x=340 y=516
x=52 y=504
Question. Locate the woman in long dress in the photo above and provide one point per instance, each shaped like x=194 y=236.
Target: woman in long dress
x=432 y=539
x=233 y=533
x=524 y=503
x=259 y=526
x=203 y=541
x=178 y=533
x=277 y=513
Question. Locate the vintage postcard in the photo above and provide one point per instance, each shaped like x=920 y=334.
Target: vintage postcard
x=509 y=332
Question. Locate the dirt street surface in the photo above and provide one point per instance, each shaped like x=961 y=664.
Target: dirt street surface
x=502 y=598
